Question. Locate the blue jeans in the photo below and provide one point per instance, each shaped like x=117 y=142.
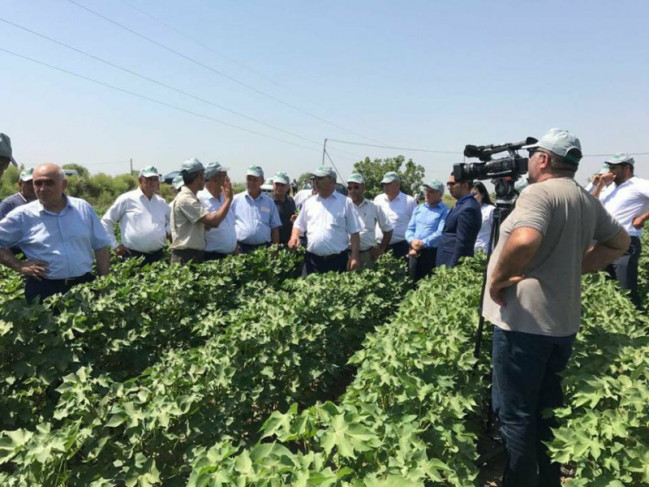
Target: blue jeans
x=525 y=382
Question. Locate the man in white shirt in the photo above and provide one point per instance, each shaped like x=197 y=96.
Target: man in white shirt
x=332 y=224
x=370 y=216
x=627 y=201
x=398 y=207
x=220 y=241
x=143 y=219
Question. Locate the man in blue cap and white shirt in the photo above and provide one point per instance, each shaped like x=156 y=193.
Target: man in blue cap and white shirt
x=556 y=233
x=425 y=230
x=143 y=219
x=6 y=154
x=371 y=216
x=221 y=240
x=58 y=234
x=189 y=218
x=398 y=207
x=24 y=195
x=256 y=217
x=627 y=199
x=333 y=226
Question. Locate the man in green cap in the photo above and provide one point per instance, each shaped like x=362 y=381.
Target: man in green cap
x=24 y=195
x=143 y=219
x=371 y=216
x=189 y=218
x=285 y=206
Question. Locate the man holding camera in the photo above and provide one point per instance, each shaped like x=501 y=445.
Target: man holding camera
x=534 y=284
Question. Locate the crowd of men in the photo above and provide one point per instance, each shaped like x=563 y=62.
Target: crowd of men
x=557 y=231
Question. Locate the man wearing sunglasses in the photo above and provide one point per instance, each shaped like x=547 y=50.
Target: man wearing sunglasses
x=534 y=300
x=370 y=216
x=58 y=234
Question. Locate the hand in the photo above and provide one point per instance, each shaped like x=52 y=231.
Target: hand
x=237 y=250
x=607 y=178
x=294 y=242
x=376 y=252
x=596 y=178
x=413 y=253
x=33 y=268
x=293 y=217
x=638 y=222
x=496 y=287
x=227 y=189
x=352 y=264
x=417 y=244
x=121 y=250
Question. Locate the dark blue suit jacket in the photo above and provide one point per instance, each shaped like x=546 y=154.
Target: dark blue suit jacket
x=460 y=232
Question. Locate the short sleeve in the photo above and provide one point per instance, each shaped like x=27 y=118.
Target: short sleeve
x=11 y=230
x=384 y=223
x=532 y=210
x=607 y=227
x=192 y=209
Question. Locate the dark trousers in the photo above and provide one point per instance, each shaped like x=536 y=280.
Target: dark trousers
x=316 y=264
x=48 y=287
x=526 y=381
x=399 y=249
x=247 y=248
x=625 y=271
x=147 y=257
x=423 y=265
x=214 y=256
x=183 y=256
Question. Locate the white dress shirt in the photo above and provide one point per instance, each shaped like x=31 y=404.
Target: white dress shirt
x=143 y=222
x=329 y=222
x=398 y=211
x=628 y=201
x=222 y=239
x=371 y=216
x=482 y=241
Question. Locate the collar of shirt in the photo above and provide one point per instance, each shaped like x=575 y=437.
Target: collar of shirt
x=334 y=195
x=41 y=208
x=439 y=204
x=261 y=195
x=362 y=204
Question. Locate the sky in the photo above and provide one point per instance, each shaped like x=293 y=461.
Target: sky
x=256 y=82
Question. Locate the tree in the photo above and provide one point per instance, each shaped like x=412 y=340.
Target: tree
x=82 y=171
x=411 y=174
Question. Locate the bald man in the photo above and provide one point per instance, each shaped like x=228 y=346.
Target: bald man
x=58 y=234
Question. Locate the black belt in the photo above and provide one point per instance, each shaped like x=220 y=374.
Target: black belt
x=330 y=256
x=71 y=281
x=137 y=252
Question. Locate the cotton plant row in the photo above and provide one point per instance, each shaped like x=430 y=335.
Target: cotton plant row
x=283 y=345
x=410 y=417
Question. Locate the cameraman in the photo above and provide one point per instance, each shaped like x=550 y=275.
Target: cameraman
x=534 y=282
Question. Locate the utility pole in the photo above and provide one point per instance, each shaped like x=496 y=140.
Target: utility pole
x=131 y=162
x=324 y=151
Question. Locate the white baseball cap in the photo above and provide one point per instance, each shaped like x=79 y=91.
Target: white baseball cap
x=560 y=142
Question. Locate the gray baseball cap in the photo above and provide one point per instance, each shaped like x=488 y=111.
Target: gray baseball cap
x=621 y=158
x=560 y=142
x=356 y=178
x=281 y=178
x=5 y=148
x=390 y=177
x=190 y=166
x=213 y=168
x=177 y=182
x=435 y=184
x=26 y=174
x=148 y=172
x=324 y=172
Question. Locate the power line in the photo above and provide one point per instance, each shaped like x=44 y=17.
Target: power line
x=220 y=73
x=211 y=49
x=144 y=97
x=393 y=147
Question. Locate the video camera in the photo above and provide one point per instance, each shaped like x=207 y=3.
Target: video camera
x=503 y=171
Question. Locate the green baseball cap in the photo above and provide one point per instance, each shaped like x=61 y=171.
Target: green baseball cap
x=213 y=168
x=26 y=174
x=324 y=172
x=435 y=184
x=177 y=182
x=390 y=177
x=255 y=171
x=281 y=178
x=148 y=172
x=5 y=148
x=621 y=158
x=356 y=178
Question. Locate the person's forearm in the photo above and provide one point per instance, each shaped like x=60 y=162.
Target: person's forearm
x=8 y=259
x=520 y=248
x=103 y=261
x=385 y=241
x=598 y=188
x=602 y=254
x=355 y=241
x=274 y=235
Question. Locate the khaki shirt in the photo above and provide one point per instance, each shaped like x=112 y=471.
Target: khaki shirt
x=187 y=232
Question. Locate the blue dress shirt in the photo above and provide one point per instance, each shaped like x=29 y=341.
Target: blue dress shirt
x=64 y=240
x=426 y=224
x=254 y=218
